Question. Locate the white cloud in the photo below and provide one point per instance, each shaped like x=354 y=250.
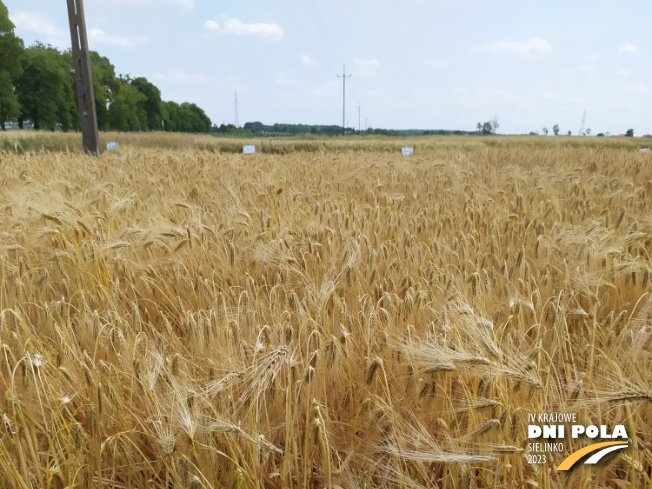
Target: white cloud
x=621 y=71
x=148 y=3
x=41 y=27
x=629 y=48
x=639 y=89
x=116 y=3
x=267 y=32
x=180 y=76
x=185 y=3
x=99 y=36
x=534 y=48
x=549 y=95
x=366 y=67
x=325 y=89
x=586 y=69
x=424 y=61
x=288 y=82
x=307 y=60
x=211 y=25
x=372 y=93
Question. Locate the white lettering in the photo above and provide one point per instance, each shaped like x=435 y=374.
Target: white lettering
x=592 y=431
x=533 y=431
x=577 y=430
x=619 y=432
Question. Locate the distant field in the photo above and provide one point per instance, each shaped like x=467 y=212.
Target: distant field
x=26 y=141
x=177 y=315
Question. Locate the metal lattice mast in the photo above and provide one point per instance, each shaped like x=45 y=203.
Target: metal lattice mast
x=83 y=77
x=344 y=76
x=237 y=121
x=358 y=117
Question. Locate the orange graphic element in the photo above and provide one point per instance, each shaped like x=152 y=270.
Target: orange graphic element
x=574 y=457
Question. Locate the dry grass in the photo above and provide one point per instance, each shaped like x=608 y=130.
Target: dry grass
x=193 y=319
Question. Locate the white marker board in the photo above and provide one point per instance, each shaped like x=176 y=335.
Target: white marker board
x=113 y=145
x=407 y=150
x=249 y=149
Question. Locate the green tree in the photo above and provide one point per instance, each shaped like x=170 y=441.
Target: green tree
x=194 y=119
x=171 y=116
x=105 y=86
x=555 y=129
x=45 y=89
x=151 y=104
x=186 y=118
x=126 y=112
x=545 y=131
x=629 y=133
x=67 y=110
x=11 y=54
x=9 y=106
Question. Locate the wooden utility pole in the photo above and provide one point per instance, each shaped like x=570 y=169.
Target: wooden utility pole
x=83 y=77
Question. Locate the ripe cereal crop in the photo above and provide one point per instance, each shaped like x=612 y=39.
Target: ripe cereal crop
x=173 y=314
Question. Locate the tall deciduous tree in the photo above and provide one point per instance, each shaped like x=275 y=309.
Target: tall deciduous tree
x=45 y=89
x=152 y=103
x=126 y=112
x=37 y=84
x=193 y=119
x=105 y=86
x=11 y=53
x=186 y=117
x=171 y=116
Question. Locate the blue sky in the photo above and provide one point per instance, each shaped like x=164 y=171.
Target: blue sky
x=415 y=63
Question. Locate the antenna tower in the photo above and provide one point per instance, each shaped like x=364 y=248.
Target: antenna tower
x=237 y=122
x=581 y=133
x=359 y=117
x=344 y=76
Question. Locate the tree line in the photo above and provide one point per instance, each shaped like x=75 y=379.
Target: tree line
x=293 y=129
x=37 y=89
x=278 y=129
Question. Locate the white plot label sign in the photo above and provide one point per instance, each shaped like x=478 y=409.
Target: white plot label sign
x=249 y=149
x=111 y=146
x=407 y=150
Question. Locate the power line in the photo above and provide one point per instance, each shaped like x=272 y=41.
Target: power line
x=344 y=76
x=297 y=26
x=316 y=16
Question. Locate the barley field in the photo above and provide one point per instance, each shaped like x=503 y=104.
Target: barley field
x=176 y=315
